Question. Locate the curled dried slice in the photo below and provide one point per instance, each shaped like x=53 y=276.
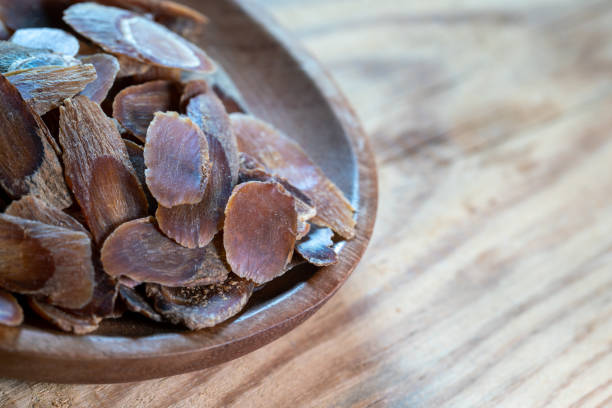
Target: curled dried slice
x=44 y=88
x=284 y=157
x=138 y=304
x=42 y=259
x=139 y=251
x=177 y=160
x=98 y=168
x=130 y=66
x=259 y=230
x=316 y=248
x=11 y=314
x=53 y=39
x=44 y=60
x=107 y=68
x=208 y=112
x=103 y=302
x=155 y=73
x=10 y=53
x=63 y=319
x=123 y=32
x=136 y=153
x=202 y=306
x=28 y=164
x=135 y=106
x=32 y=208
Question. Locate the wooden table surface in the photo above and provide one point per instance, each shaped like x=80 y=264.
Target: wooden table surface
x=489 y=278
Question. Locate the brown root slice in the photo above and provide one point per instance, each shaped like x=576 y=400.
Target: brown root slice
x=284 y=157
x=136 y=153
x=138 y=304
x=316 y=248
x=34 y=209
x=11 y=314
x=98 y=168
x=203 y=306
x=138 y=250
x=44 y=88
x=176 y=159
x=259 y=230
x=28 y=163
x=107 y=68
x=54 y=39
x=63 y=319
x=135 y=106
x=46 y=260
x=124 y=32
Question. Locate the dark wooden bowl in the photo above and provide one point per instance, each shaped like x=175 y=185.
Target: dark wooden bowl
x=287 y=87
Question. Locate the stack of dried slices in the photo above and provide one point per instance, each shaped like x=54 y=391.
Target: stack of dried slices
x=133 y=177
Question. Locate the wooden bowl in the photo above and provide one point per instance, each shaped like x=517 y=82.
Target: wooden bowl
x=287 y=87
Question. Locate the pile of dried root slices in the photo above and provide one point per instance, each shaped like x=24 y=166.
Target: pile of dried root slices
x=133 y=178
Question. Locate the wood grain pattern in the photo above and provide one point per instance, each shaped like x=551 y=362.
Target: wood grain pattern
x=488 y=281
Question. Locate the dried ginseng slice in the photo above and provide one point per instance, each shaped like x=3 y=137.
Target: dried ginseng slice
x=177 y=160
x=44 y=88
x=284 y=157
x=28 y=164
x=135 y=106
x=140 y=252
x=316 y=248
x=123 y=32
x=136 y=154
x=202 y=306
x=63 y=319
x=138 y=304
x=98 y=167
x=54 y=39
x=107 y=68
x=259 y=230
x=46 y=260
x=11 y=313
x=34 y=209
x=11 y=53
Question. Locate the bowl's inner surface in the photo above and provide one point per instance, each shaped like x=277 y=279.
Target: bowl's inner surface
x=277 y=90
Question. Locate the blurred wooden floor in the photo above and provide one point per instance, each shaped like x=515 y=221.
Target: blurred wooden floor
x=489 y=278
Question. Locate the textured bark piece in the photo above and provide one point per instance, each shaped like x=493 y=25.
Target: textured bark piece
x=28 y=164
x=176 y=159
x=43 y=60
x=208 y=112
x=34 y=209
x=63 y=319
x=11 y=314
x=10 y=53
x=195 y=225
x=98 y=168
x=203 y=306
x=54 y=39
x=136 y=154
x=138 y=304
x=44 y=88
x=46 y=260
x=138 y=250
x=284 y=157
x=135 y=106
x=106 y=67
x=259 y=230
x=316 y=248
x=124 y=32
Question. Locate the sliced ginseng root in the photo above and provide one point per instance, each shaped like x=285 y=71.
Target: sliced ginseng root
x=135 y=106
x=138 y=304
x=284 y=157
x=107 y=68
x=11 y=313
x=123 y=32
x=208 y=112
x=176 y=159
x=136 y=153
x=44 y=88
x=201 y=306
x=46 y=260
x=11 y=54
x=98 y=168
x=64 y=319
x=259 y=230
x=34 y=209
x=54 y=39
x=28 y=164
x=316 y=248
x=139 y=251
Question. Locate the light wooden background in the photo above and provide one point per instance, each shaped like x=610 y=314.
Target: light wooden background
x=489 y=278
